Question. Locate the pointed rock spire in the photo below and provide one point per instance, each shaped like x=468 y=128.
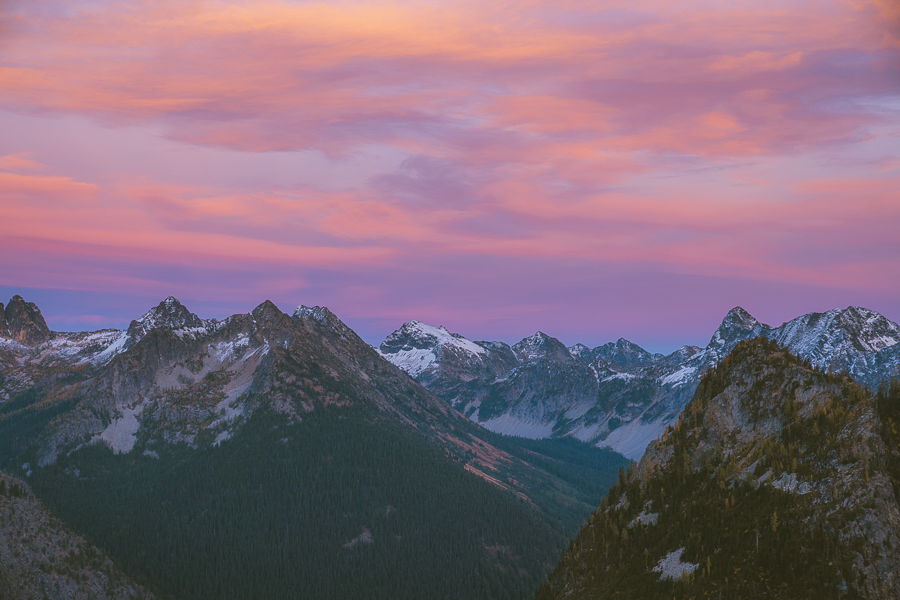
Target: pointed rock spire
x=25 y=323
x=737 y=325
x=270 y=318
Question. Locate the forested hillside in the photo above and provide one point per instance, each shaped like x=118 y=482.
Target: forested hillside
x=339 y=506
x=775 y=482
x=42 y=558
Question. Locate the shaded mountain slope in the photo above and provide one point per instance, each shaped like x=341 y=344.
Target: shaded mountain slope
x=41 y=558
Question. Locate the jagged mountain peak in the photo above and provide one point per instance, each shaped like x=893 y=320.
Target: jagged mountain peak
x=169 y=314
x=623 y=354
x=871 y=330
x=318 y=313
x=839 y=339
x=685 y=352
x=541 y=345
x=737 y=325
x=580 y=351
x=738 y=317
x=415 y=335
x=24 y=323
x=322 y=317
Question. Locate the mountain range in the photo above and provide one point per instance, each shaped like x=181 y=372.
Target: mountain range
x=618 y=395
x=275 y=455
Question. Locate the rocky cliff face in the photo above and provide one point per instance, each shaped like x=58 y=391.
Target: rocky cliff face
x=23 y=323
x=776 y=481
x=4 y=326
x=635 y=394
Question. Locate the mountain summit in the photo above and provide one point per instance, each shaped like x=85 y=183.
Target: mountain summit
x=23 y=323
x=170 y=313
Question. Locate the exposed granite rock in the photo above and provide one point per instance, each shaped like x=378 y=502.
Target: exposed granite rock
x=25 y=322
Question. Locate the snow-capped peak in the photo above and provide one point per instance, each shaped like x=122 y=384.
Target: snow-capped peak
x=822 y=337
x=416 y=346
x=319 y=313
x=415 y=334
x=540 y=345
x=169 y=313
x=737 y=325
x=740 y=318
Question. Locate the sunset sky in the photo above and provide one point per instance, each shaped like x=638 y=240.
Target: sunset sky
x=589 y=169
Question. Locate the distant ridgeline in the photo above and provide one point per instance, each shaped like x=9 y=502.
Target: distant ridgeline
x=618 y=395
x=276 y=456
x=778 y=480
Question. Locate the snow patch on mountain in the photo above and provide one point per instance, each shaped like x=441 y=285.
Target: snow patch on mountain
x=114 y=348
x=679 y=376
x=671 y=566
x=638 y=393
x=631 y=439
x=620 y=376
x=414 y=361
x=120 y=435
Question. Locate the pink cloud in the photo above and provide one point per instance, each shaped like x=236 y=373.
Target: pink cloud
x=19 y=161
x=745 y=140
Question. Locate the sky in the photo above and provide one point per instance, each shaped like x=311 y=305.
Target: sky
x=593 y=170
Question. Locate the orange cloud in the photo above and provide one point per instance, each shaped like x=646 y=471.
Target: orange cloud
x=19 y=162
x=645 y=132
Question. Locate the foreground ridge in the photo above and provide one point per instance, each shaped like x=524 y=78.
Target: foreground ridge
x=778 y=480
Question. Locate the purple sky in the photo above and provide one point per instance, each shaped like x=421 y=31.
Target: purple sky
x=591 y=170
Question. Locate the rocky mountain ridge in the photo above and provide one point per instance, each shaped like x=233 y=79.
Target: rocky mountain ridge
x=619 y=395
x=116 y=430
x=172 y=377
